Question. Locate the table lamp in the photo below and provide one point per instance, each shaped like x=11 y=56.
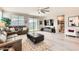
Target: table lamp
x=2 y=25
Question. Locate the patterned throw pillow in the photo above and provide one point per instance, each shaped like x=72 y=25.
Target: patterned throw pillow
x=12 y=29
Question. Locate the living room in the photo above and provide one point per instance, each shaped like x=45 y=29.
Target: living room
x=39 y=28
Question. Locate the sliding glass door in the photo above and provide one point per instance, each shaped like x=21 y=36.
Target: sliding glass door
x=33 y=24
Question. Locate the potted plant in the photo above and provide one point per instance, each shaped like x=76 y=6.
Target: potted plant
x=7 y=21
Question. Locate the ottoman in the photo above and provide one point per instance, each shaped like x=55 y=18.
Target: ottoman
x=35 y=37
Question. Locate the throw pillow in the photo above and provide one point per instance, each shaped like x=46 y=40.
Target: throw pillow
x=24 y=28
x=2 y=37
x=12 y=29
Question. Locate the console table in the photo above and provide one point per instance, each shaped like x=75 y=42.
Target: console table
x=72 y=32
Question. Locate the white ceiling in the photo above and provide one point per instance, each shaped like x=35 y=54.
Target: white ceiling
x=23 y=10
x=53 y=10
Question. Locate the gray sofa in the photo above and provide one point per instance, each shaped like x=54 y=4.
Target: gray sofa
x=48 y=29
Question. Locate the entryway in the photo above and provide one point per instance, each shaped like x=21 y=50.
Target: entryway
x=60 y=20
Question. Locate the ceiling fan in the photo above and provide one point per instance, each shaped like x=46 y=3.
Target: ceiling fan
x=43 y=10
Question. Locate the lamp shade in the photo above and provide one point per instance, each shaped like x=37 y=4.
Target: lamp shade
x=2 y=24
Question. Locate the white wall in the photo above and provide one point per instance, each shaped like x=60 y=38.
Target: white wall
x=66 y=11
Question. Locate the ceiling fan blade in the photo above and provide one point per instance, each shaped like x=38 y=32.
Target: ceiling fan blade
x=42 y=11
x=46 y=8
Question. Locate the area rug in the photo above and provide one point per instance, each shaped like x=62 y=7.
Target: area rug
x=28 y=45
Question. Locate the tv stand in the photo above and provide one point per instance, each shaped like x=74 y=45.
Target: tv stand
x=72 y=32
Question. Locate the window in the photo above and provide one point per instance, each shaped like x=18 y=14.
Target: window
x=17 y=20
x=33 y=24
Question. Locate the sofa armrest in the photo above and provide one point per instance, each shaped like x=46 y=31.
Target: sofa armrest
x=17 y=45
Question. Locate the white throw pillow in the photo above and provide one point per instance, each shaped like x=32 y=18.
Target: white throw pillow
x=3 y=37
x=24 y=28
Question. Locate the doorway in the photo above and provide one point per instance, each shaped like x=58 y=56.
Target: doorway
x=61 y=22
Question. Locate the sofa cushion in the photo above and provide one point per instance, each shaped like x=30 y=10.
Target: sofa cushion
x=3 y=36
